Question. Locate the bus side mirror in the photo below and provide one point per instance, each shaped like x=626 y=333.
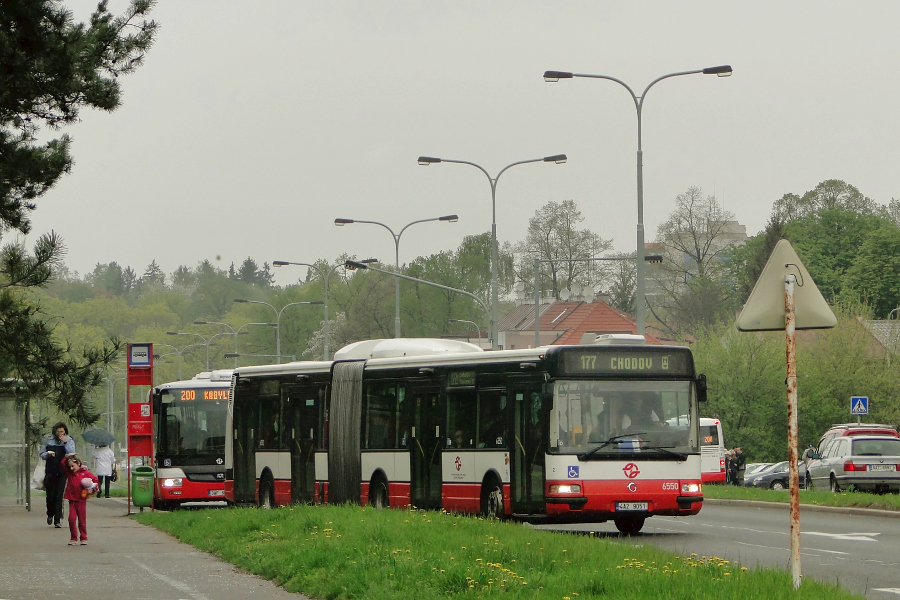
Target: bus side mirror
x=701 y=387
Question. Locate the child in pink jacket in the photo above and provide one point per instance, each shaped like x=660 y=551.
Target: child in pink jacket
x=77 y=492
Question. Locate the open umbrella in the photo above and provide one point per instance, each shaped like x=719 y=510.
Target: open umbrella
x=98 y=437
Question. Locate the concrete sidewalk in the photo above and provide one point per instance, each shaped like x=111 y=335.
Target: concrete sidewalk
x=123 y=559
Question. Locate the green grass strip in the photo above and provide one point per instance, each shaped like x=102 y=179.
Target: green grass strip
x=817 y=497
x=348 y=552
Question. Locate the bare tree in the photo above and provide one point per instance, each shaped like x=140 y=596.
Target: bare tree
x=553 y=235
x=692 y=288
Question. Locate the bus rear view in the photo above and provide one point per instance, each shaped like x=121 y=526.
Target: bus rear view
x=189 y=439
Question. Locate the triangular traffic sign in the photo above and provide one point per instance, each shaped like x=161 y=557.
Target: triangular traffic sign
x=764 y=310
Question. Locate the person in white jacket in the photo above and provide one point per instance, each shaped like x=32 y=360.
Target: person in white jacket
x=104 y=459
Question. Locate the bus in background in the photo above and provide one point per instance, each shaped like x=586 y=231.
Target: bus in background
x=712 y=451
x=189 y=439
x=553 y=434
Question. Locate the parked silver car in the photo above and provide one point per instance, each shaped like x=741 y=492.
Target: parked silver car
x=865 y=463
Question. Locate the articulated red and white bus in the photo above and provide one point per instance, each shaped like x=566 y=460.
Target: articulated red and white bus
x=189 y=439
x=553 y=434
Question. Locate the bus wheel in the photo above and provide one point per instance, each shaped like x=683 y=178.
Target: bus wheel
x=378 y=493
x=492 y=500
x=629 y=525
x=267 y=493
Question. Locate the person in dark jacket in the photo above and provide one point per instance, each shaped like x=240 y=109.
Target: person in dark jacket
x=54 y=448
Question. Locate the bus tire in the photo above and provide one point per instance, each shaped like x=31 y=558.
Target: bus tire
x=378 y=493
x=630 y=525
x=492 y=499
x=267 y=492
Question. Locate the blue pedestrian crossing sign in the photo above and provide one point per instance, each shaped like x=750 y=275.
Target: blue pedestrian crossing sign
x=859 y=405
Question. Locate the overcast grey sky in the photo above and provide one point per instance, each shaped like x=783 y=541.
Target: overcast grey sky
x=252 y=126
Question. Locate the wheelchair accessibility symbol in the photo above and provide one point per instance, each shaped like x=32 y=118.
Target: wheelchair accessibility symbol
x=573 y=472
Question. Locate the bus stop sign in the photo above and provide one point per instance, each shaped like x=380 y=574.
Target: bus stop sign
x=859 y=405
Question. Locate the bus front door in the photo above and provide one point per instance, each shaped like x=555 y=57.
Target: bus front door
x=302 y=414
x=526 y=455
x=428 y=408
x=244 y=467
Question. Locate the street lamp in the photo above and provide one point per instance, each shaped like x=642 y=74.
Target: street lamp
x=205 y=341
x=353 y=264
x=277 y=320
x=396 y=236
x=495 y=312
x=325 y=277
x=473 y=323
x=224 y=325
x=554 y=76
x=177 y=351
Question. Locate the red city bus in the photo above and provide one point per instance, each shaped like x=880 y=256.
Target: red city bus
x=189 y=439
x=554 y=434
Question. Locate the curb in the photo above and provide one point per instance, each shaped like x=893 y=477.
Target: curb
x=846 y=510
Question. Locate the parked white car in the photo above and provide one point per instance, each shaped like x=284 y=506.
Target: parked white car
x=865 y=463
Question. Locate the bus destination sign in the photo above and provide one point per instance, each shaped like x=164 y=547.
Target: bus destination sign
x=461 y=379
x=200 y=394
x=627 y=362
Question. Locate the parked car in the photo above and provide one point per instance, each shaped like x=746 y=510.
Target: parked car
x=867 y=463
x=851 y=429
x=775 y=476
x=752 y=468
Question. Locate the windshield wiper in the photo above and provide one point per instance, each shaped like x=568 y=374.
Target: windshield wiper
x=613 y=440
x=665 y=450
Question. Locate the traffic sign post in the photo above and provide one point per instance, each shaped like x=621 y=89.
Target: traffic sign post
x=859 y=405
x=774 y=305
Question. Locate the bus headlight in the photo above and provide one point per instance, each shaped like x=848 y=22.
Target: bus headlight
x=569 y=488
x=172 y=482
x=690 y=488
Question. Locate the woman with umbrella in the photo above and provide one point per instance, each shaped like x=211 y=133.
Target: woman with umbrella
x=104 y=458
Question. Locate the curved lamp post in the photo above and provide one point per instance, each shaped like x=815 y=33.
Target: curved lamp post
x=325 y=277
x=477 y=328
x=396 y=236
x=353 y=264
x=277 y=320
x=205 y=342
x=430 y=160
x=554 y=76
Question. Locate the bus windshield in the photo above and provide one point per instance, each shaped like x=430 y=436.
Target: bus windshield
x=192 y=424
x=623 y=415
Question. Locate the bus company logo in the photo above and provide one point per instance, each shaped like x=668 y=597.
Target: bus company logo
x=458 y=463
x=632 y=486
x=631 y=470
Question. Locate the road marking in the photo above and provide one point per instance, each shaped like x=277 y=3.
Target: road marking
x=847 y=537
x=182 y=587
x=888 y=590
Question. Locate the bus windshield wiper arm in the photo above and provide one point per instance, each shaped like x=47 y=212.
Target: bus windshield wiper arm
x=664 y=450
x=613 y=440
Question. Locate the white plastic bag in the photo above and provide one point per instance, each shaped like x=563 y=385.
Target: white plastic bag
x=37 y=478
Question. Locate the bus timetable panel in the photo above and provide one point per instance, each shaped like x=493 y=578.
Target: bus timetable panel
x=577 y=433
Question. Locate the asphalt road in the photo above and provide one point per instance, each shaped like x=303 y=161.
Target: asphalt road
x=860 y=550
x=123 y=559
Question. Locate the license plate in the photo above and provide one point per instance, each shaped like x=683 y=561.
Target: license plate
x=216 y=492
x=627 y=506
x=882 y=468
